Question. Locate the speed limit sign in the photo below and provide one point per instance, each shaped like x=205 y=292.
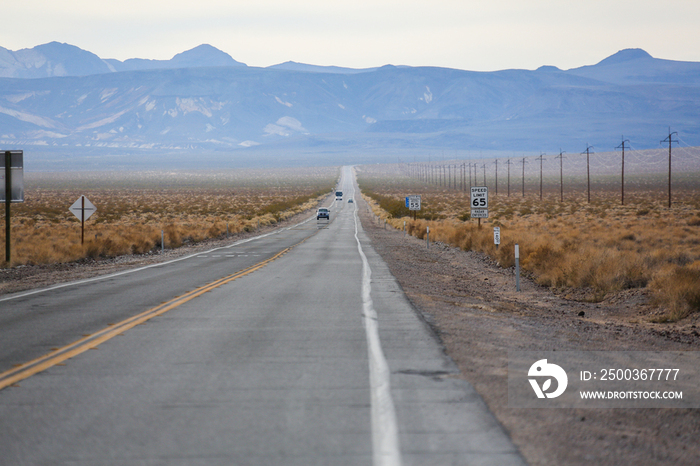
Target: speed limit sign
x=479 y=202
x=413 y=202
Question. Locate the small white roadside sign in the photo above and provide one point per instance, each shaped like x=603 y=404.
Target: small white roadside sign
x=496 y=235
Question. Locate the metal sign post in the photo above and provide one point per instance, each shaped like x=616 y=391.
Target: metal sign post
x=83 y=209
x=13 y=177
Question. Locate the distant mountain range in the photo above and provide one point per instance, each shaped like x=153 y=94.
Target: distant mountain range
x=59 y=97
x=55 y=59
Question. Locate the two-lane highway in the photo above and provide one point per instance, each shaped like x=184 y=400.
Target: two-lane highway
x=296 y=348
x=35 y=322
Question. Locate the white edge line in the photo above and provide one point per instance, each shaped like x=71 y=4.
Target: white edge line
x=386 y=450
x=126 y=272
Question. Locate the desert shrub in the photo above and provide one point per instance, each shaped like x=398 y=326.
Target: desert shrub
x=505 y=254
x=678 y=290
x=173 y=235
x=417 y=228
x=543 y=258
x=612 y=270
x=142 y=244
x=216 y=229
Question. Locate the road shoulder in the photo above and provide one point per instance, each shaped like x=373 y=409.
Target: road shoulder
x=472 y=307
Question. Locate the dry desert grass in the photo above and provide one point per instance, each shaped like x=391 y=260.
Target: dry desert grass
x=133 y=209
x=593 y=248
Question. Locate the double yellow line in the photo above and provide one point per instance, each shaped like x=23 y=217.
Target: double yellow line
x=59 y=355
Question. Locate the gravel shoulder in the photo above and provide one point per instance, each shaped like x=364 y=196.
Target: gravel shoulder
x=473 y=307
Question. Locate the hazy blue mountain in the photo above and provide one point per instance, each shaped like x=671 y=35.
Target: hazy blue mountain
x=294 y=66
x=200 y=100
x=47 y=60
x=634 y=66
x=57 y=59
x=202 y=56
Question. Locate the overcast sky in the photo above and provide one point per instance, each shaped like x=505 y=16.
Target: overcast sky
x=480 y=35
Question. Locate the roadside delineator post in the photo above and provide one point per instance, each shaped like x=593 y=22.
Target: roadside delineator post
x=427 y=237
x=517 y=268
x=162 y=241
x=404 y=227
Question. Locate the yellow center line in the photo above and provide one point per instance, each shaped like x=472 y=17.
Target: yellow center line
x=46 y=361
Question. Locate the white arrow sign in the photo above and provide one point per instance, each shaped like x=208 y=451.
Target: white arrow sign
x=83 y=208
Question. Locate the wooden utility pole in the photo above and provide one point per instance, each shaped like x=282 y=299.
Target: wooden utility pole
x=623 y=167
x=561 y=173
x=588 y=170
x=508 y=163
x=524 y=162
x=670 y=141
x=541 y=158
x=496 y=190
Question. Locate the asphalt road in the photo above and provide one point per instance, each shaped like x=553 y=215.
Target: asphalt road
x=294 y=348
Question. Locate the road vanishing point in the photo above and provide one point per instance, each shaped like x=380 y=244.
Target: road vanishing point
x=296 y=347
